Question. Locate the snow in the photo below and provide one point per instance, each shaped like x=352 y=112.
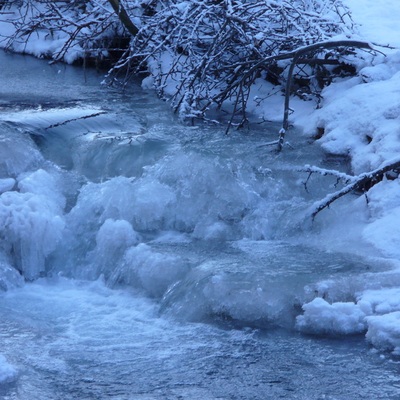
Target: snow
x=384 y=332
x=6 y=184
x=361 y=118
x=338 y=318
x=377 y=22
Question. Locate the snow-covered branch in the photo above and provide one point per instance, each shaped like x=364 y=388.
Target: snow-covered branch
x=359 y=183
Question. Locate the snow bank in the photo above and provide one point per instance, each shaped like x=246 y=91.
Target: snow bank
x=51 y=40
x=383 y=231
x=8 y=373
x=361 y=116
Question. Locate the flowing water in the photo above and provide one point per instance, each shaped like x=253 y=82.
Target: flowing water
x=165 y=261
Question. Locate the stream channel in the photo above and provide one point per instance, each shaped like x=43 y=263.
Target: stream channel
x=164 y=261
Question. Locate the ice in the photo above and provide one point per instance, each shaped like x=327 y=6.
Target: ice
x=18 y=153
x=8 y=373
x=384 y=331
x=6 y=184
x=43 y=183
x=381 y=301
x=204 y=195
x=32 y=225
x=209 y=230
x=9 y=277
x=152 y=271
x=151 y=203
x=339 y=318
x=244 y=302
x=112 y=240
x=98 y=202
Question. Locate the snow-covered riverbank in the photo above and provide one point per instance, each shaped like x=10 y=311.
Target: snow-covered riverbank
x=361 y=118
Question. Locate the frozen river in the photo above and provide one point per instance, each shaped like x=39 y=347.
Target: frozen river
x=165 y=261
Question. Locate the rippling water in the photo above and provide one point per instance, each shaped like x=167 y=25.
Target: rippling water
x=168 y=261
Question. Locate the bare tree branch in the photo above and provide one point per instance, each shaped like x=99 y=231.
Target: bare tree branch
x=357 y=183
x=124 y=17
x=296 y=57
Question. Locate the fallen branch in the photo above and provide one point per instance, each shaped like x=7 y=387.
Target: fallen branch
x=340 y=176
x=357 y=183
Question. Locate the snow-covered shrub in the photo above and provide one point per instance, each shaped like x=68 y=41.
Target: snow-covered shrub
x=210 y=53
x=62 y=31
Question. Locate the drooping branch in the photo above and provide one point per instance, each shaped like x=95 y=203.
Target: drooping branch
x=357 y=183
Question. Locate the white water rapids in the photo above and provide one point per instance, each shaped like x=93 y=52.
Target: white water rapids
x=168 y=262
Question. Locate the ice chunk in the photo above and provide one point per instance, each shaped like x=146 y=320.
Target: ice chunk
x=9 y=276
x=153 y=271
x=113 y=238
x=384 y=331
x=17 y=152
x=339 y=318
x=8 y=373
x=208 y=230
x=6 y=184
x=98 y=202
x=381 y=301
x=43 y=183
x=150 y=203
x=30 y=228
